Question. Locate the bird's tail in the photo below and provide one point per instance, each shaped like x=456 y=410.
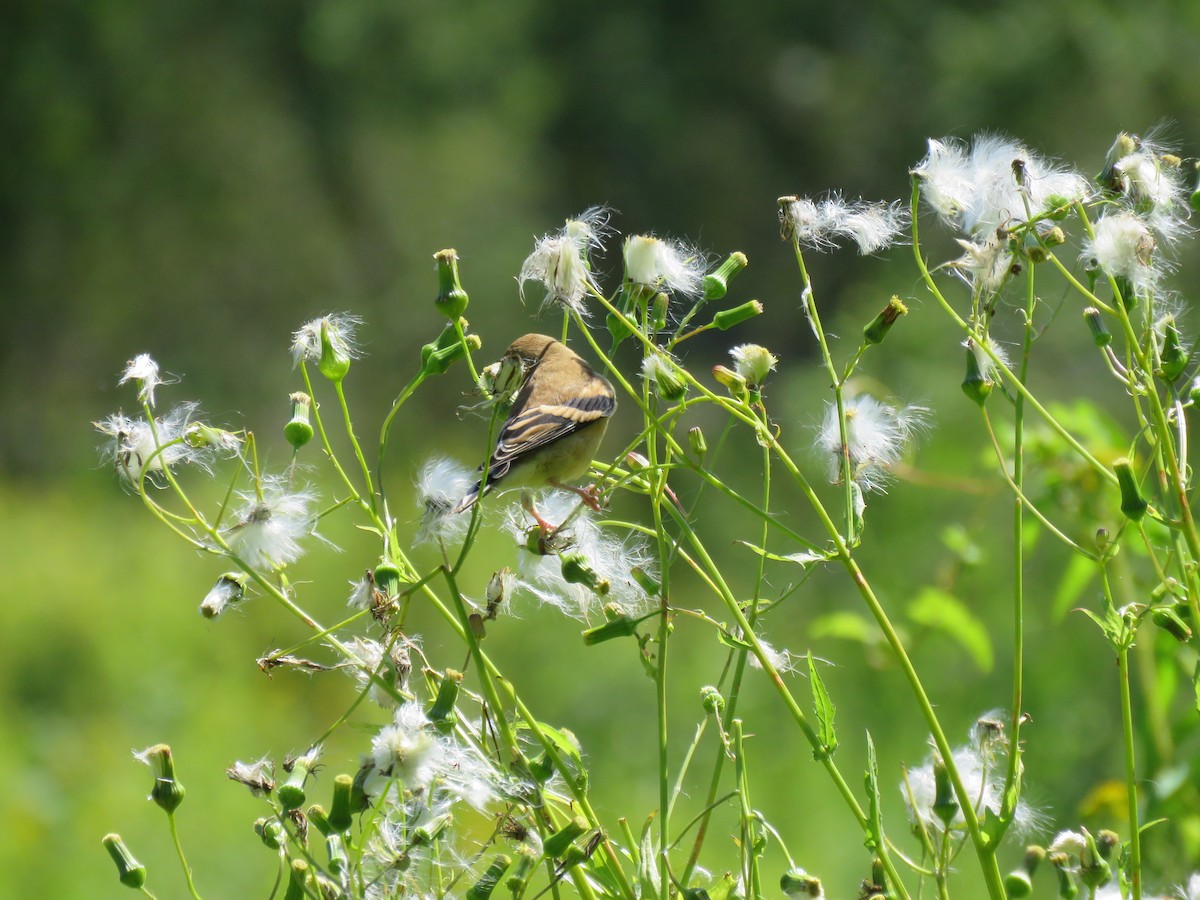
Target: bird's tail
x=469 y=499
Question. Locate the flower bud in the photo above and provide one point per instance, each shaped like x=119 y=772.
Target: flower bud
x=335 y=356
x=975 y=384
x=577 y=570
x=945 y=804
x=716 y=284
x=318 y=817
x=230 y=588
x=1169 y=620
x=711 y=699
x=619 y=627
x=727 y=318
x=451 y=298
x=527 y=858
x=291 y=792
x=299 y=430
x=658 y=311
x=1107 y=841
x=387 y=578
x=1095 y=323
x=556 y=845
x=490 y=879
x=877 y=329
x=299 y=875
x=340 y=816
x=619 y=329
x=668 y=380
x=696 y=439
x=439 y=355
x=732 y=381
x=441 y=713
x=1133 y=505
x=1094 y=870
x=130 y=872
x=270 y=832
x=167 y=791
x=1173 y=359
x=798 y=883
x=1067 y=888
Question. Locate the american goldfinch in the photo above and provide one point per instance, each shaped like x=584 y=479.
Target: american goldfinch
x=556 y=422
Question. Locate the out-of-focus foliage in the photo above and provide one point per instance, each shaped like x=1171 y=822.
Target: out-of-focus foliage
x=195 y=179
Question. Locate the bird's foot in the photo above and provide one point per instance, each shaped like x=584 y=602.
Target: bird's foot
x=589 y=495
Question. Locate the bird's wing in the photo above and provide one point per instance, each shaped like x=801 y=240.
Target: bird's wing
x=534 y=427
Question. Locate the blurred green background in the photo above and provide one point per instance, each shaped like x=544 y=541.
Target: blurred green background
x=195 y=180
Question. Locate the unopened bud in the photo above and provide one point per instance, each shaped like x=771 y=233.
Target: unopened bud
x=1095 y=323
x=335 y=357
x=696 y=439
x=975 y=384
x=296 y=883
x=270 y=832
x=798 y=883
x=717 y=283
x=230 y=588
x=666 y=377
x=527 y=858
x=732 y=381
x=556 y=845
x=291 y=792
x=167 y=791
x=319 y=818
x=340 y=815
x=1173 y=358
x=711 y=699
x=1067 y=888
x=1107 y=841
x=387 y=578
x=945 y=805
x=1094 y=870
x=130 y=872
x=439 y=355
x=299 y=430
x=727 y=318
x=1169 y=620
x=577 y=570
x=658 y=311
x=619 y=627
x=451 y=298
x=441 y=712
x=490 y=879
x=1133 y=505
x=877 y=329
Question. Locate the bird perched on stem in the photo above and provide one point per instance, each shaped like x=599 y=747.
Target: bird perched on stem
x=556 y=423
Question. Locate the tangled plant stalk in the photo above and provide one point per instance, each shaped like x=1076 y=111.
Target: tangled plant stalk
x=466 y=790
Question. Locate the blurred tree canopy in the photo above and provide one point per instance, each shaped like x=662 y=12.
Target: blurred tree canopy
x=187 y=178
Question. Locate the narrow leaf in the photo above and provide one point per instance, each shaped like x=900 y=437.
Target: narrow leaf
x=824 y=709
x=874 y=830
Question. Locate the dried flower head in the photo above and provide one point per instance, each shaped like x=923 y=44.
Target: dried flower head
x=877 y=436
x=664 y=265
x=821 y=224
x=561 y=262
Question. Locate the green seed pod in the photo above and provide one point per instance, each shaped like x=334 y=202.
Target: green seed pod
x=299 y=430
x=556 y=845
x=1095 y=323
x=727 y=318
x=451 y=299
x=441 y=712
x=716 y=284
x=1133 y=505
x=1173 y=358
x=975 y=384
x=490 y=879
x=876 y=330
x=270 y=832
x=335 y=360
x=340 y=815
x=130 y=872
x=622 y=626
x=945 y=804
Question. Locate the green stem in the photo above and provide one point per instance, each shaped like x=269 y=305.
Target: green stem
x=187 y=870
x=1135 y=843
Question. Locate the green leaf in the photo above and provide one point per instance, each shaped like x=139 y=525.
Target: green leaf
x=874 y=830
x=849 y=626
x=937 y=609
x=1077 y=576
x=824 y=709
x=804 y=558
